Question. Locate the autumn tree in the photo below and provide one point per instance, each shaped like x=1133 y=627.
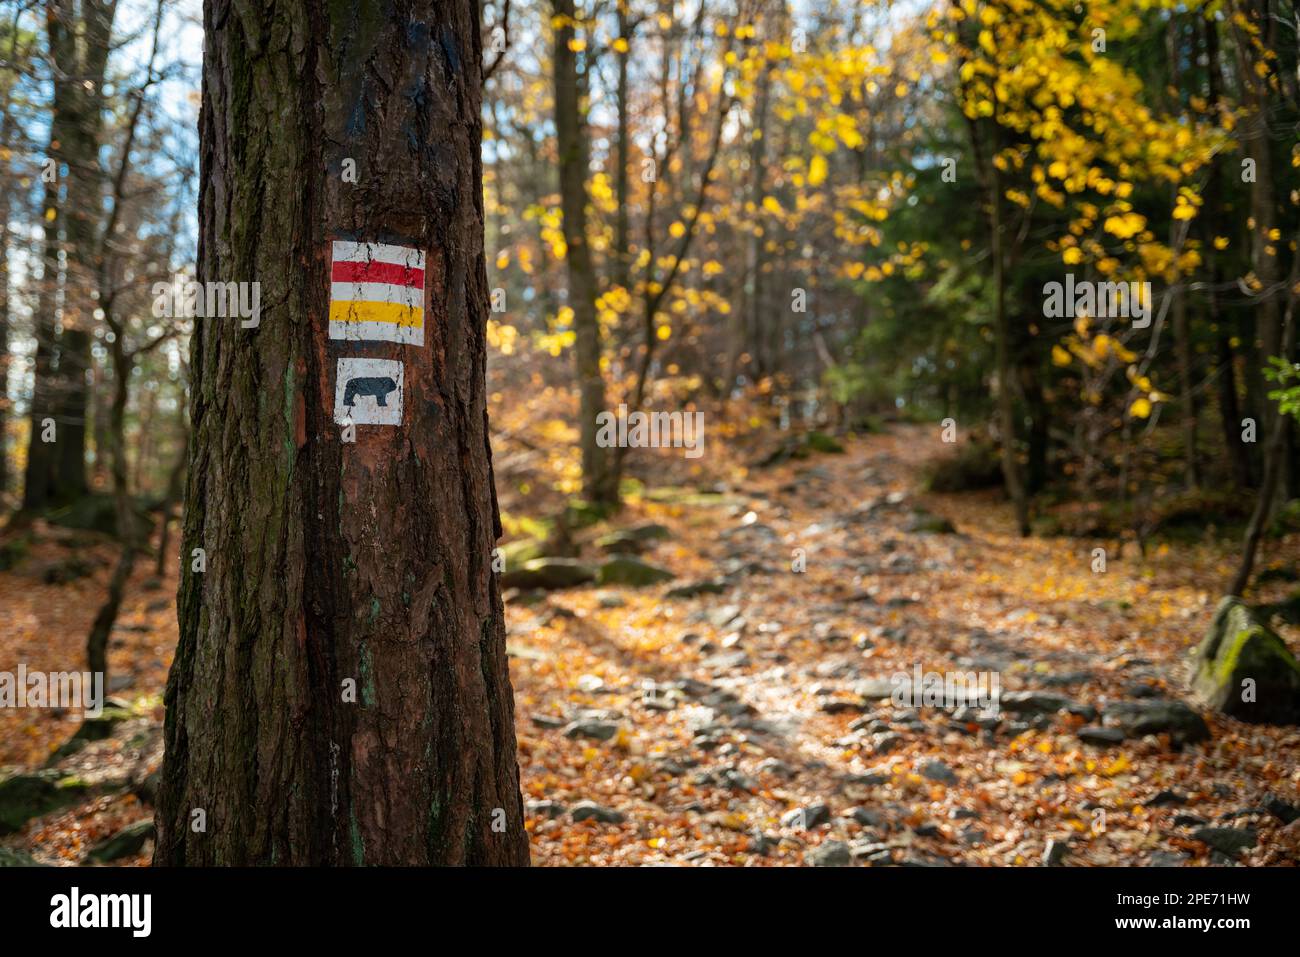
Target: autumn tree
x=340 y=692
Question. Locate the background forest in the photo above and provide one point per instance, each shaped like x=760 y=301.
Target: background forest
x=831 y=228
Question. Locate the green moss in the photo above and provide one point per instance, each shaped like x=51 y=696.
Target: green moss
x=290 y=436
x=365 y=666
x=1240 y=646
x=358 y=844
x=1226 y=663
x=821 y=442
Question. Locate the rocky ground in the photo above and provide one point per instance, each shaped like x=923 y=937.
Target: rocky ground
x=723 y=697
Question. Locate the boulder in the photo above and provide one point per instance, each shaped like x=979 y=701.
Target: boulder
x=707 y=586
x=620 y=543
x=24 y=796
x=97 y=512
x=1094 y=734
x=1226 y=840
x=590 y=810
x=515 y=554
x=1240 y=654
x=124 y=843
x=13 y=857
x=630 y=570
x=549 y=573
x=634 y=540
x=927 y=523
x=830 y=854
x=807 y=817
x=592 y=728
x=1034 y=702
x=1148 y=716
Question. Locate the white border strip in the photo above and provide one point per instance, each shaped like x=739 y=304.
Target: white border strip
x=349 y=252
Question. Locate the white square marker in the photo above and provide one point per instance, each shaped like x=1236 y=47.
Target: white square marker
x=368 y=392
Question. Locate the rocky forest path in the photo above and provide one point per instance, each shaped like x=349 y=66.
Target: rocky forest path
x=742 y=712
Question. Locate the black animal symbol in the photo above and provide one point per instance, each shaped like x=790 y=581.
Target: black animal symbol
x=377 y=386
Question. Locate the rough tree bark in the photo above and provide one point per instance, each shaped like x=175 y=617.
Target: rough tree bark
x=328 y=561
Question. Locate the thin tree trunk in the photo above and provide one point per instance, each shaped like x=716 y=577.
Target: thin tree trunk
x=755 y=340
x=170 y=496
x=1229 y=405
x=1186 y=391
x=1181 y=327
x=623 y=156
x=102 y=628
x=1002 y=334
x=340 y=692
x=571 y=142
x=38 y=489
x=1273 y=459
x=1257 y=146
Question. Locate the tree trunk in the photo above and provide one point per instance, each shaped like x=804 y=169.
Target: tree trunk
x=1002 y=334
x=1261 y=516
x=571 y=142
x=623 y=156
x=754 y=342
x=4 y=306
x=81 y=132
x=38 y=480
x=170 y=496
x=79 y=40
x=102 y=627
x=340 y=693
x=1257 y=145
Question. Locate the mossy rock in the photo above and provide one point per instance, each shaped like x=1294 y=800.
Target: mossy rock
x=927 y=523
x=124 y=843
x=1287 y=610
x=97 y=729
x=579 y=513
x=648 y=532
x=97 y=512
x=630 y=570
x=868 y=425
x=1287 y=519
x=14 y=552
x=823 y=443
x=631 y=541
x=1157 y=716
x=66 y=571
x=13 y=857
x=26 y=795
x=516 y=553
x=975 y=465
x=1283 y=573
x=801 y=448
x=621 y=543
x=708 y=586
x=549 y=573
x=693 y=498
x=1241 y=654
x=1191 y=521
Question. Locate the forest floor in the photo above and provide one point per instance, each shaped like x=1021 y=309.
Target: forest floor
x=751 y=723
